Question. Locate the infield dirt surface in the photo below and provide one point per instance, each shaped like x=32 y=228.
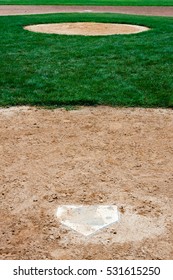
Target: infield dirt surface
x=86 y=28
x=25 y=9
x=89 y=156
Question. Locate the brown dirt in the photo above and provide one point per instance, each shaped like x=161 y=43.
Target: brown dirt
x=26 y=9
x=86 y=28
x=94 y=155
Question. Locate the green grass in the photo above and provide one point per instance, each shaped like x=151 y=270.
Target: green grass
x=59 y=70
x=91 y=2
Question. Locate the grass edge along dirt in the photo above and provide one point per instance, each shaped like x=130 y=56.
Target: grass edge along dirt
x=58 y=70
x=90 y=2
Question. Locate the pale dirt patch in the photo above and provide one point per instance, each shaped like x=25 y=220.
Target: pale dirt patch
x=86 y=28
x=90 y=156
x=6 y=10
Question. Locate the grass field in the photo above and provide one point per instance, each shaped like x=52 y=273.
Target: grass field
x=58 y=70
x=91 y=2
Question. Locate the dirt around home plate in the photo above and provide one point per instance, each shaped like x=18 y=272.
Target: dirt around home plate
x=89 y=156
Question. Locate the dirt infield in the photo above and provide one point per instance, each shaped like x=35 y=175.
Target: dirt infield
x=25 y=10
x=86 y=28
x=94 y=155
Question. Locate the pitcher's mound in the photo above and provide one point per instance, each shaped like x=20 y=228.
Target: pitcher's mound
x=86 y=28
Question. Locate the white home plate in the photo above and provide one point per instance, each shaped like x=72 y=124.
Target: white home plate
x=87 y=219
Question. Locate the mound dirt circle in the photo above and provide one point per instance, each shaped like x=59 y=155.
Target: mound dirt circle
x=86 y=28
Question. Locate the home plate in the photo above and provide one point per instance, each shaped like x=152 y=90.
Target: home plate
x=87 y=219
